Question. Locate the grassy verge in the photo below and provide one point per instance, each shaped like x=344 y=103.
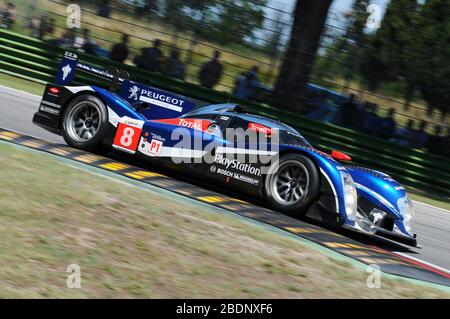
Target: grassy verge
x=21 y=84
x=131 y=242
x=431 y=199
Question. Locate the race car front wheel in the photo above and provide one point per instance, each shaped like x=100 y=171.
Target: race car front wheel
x=85 y=122
x=292 y=184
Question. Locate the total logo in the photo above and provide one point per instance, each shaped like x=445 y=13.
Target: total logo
x=260 y=129
x=196 y=124
x=212 y=169
x=191 y=124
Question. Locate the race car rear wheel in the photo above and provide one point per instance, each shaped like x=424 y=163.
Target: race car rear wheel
x=85 y=122
x=292 y=184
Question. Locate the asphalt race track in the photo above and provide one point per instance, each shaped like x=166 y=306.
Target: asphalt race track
x=431 y=224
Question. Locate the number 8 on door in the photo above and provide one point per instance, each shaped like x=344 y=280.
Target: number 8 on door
x=127 y=136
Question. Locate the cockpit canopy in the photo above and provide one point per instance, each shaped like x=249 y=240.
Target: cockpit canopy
x=232 y=116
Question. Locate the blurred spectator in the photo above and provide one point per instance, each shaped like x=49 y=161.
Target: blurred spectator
x=90 y=45
x=150 y=58
x=50 y=26
x=8 y=15
x=404 y=135
x=81 y=40
x=104 y=9
x=349 y=112
x=369 y=119
x=246 y=85
x=34 y=25
x=44 y=26
x=174 y=67
x=139 y=60
x=324 y=108
x=436 y=141
x=30 y=12
x=445 y=150
x=387 y=125
x=420 y=136
x=68 y=38
x=40 y=25
x=119 y=51
x=315 y=102
x=211 y=72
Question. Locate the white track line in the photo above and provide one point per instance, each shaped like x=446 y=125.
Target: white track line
x=423 y=262
x=431 y=206
x=19 y=93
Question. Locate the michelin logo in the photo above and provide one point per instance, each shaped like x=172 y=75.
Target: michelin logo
x=234 y=175
x=66 y=71
x=134 y=90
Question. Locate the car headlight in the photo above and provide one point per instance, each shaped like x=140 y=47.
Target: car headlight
x=408 y=215
x=350 y=196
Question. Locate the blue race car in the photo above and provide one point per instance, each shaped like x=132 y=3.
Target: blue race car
x=225 y=145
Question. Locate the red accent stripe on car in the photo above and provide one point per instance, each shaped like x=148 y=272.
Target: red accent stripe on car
x=197 y=124
x=260 y=128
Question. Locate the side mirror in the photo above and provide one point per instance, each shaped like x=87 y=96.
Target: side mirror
x=339 y=156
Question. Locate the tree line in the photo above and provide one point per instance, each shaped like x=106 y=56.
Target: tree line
x=411 y=46
x=227 y=22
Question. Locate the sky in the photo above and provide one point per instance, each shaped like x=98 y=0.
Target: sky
x=335 y=15
x=337 y=8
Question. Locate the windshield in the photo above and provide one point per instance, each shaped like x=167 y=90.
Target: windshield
x=288 y=135
x=292 y=137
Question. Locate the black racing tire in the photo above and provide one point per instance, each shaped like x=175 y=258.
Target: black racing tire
x=92 y=113
x=294 y=195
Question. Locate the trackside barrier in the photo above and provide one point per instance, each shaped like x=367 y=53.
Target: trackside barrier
x=38 y=60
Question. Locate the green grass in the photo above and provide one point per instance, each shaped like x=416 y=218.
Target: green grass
x=131 y=242
x=21 y=84
x=431 y=199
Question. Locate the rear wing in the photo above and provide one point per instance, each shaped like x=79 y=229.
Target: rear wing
x=69 y=65
x=162 y=104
